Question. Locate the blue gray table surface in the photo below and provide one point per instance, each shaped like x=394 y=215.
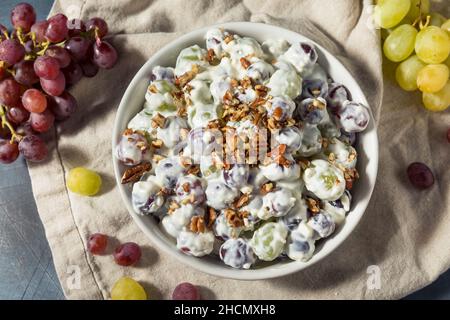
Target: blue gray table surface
x=26 y=264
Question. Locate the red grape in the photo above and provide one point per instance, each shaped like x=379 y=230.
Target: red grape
x=78 y=48
x=47 y=67
x=34 y=101
x=97 y=243
x=11 y=51
x=73 y=73
x=3 y=73
x=24 y=73
x=76 y=27
x=63 y=106
x=5 y=133
x=105 y=56
x=99 y=24
x=8 y=151
x=60 y=54
x=57 y=29
x=54 y=87
x=185 y=291
x=33 y=148
x=25 y=129
x=127 y=254
x=17 y=115
x=39 y=29
x=9 y=92
x=89 y=69
x=420 y=175
x=23 y=16
x=42 y=122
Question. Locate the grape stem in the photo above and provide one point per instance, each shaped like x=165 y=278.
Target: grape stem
x=5 y=123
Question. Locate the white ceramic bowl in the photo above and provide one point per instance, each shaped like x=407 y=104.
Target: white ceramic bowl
x=367 y=147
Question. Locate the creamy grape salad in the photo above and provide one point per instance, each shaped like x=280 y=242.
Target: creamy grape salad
x=244 y=150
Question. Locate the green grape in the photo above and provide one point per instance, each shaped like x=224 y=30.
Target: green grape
x=128 y=289
x=388 y=13
x=406 y=73
x=417 y=7
x=446 y=26
x=269 y=240
x=438 y=101
x=436 y=19
x=400 y=43
x=432 y=45
x=84 y=181
x=432 y=78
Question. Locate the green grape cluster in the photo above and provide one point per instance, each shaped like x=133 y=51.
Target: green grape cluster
x=419 y=40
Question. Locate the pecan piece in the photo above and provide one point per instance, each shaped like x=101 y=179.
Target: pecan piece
x=197 y=224
x=158 y=121
x=210 y=217
x=242 y=201
x=313 y=205
x=135 y=173
x=267 y=187
x=245 y=63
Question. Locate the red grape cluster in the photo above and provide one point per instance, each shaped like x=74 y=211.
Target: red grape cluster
x=39 y=61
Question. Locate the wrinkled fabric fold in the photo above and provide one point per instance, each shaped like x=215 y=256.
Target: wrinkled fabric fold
x=404 y=233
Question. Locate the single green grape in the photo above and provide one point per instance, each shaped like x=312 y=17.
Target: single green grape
x=128 y=289
x=417 y=7
x=388 y=13
x=446 y=25
x=84 y=181
x=269 y=240
x=400 y=43
x=438 y=101
x=432 y=78
x=406 y=73
x=436 y=19
x=432 y=45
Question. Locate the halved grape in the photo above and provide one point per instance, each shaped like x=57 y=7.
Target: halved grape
x=400 y=43
x=8 y=151
x=54 y=87
x=438 y=101
x=432 y=45
x=420 y=175
x=406 y=73
x=23 y=16
x=388 y=13
x=33 y=148
x=432 y=78
x=83 y=181
x=24 y=73
x=11 y=51
x=42 y=122
x=34 y=101
x=127 y=254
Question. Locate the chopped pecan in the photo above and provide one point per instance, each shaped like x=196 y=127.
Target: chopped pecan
x=135 y=173
x=313 y=205
x=182 y=80
x=267 y=187
x=157 y=143
x=211 y=57
x=242 y=201
x=186 y=187
x=245 y=63
x=228 y=39
x=350 y=176
x=210 y=217
x=152 y=88
x=234 y=218
x=127 y=132
x=197 y=224
x=173 y=206
x=158 y=121
x=157 y=158
x=277 y=113
x=195 y=170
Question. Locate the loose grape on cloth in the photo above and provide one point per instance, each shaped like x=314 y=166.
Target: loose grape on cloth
x=403 y=237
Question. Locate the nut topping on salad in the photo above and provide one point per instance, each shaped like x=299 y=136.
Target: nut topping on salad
x=246 y=146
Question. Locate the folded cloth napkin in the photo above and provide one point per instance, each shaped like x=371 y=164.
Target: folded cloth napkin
x=403 y=237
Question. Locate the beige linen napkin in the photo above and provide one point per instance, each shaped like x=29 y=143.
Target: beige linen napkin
x=406 y=233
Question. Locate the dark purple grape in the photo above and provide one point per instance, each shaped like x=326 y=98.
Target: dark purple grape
x=5 y=133
x=24 y=73
x=63 y=106
x=348 y=137
x=127 y=254
x=314 y=88
x=23 y=16
x=97 y=24
x=9 y=92
x=73 y=73
x=33 y=148
x=236 y=176
x=337 y=95
x=186 y=291
x=420 y=175
x=42 y=122
x=54 y=87
x=89 y=69
x=46 y=68
x=76 y=27
x=25 y=129
x=60 y=54
x=8 y=151
x=57 y=29
x=29 y=46
x=78 y=48
x=105 y=56
x=312 y=110
x=11 y=51
x=39 y=29
x=17 y=115
x=3 y=73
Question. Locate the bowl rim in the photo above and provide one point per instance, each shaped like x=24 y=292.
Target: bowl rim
x=277 y=269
